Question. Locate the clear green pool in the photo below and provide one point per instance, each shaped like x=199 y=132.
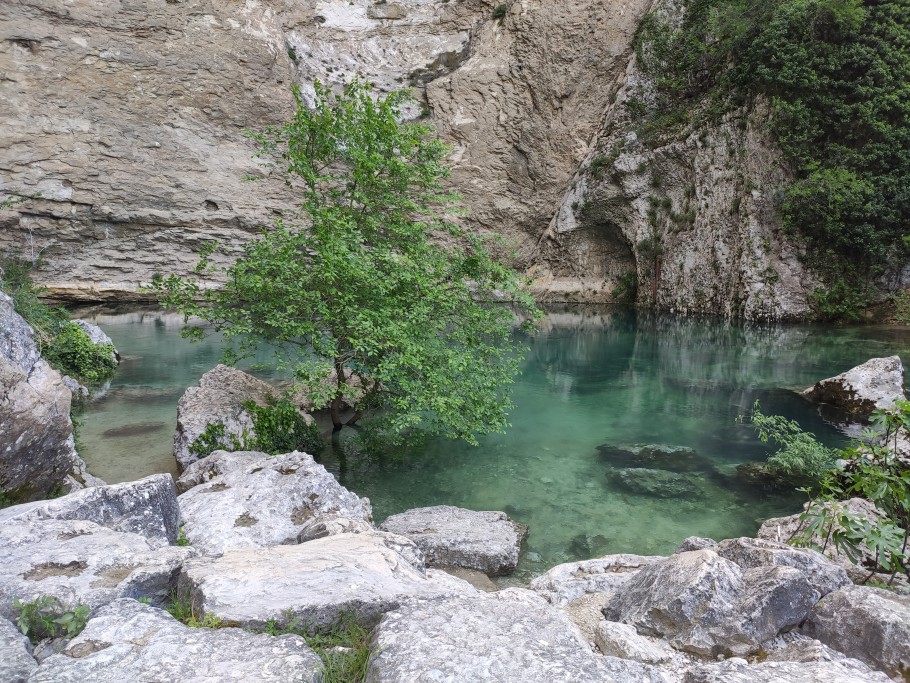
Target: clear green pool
x=592 y=377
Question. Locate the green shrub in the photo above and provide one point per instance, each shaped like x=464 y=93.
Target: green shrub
x=214 y=438
x=74 y=354
x=626 y=289
x=47 y=617
x=499 y=12
x=183 y=609
x=280 y=428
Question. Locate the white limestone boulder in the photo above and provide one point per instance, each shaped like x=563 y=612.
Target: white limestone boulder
x=16 y=661
x=129 y=641
x=877 y=383
x=738 y=670
x=487 y=541
x=252 y=499
x=567 y=582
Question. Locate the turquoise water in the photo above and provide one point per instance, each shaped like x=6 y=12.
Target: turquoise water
x=592 y=378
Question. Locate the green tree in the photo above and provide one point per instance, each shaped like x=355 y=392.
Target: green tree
x=372 y=296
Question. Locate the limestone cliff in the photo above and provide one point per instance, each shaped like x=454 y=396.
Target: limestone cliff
x=126 y=121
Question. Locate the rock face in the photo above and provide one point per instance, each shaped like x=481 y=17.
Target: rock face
x=870 y=624
x=739 y=671
x=219 y=397
x=508 y=637
x=256 y=500
x=83 y=562
x=707 y=605
x=364 y=574
x=486 y=541
x=129 y=641
x=567 y=582
x=877 y=383
x=147 y=507
x=621 y=640
x=37 y=452
x=16 y=661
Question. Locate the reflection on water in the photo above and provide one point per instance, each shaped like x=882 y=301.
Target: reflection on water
x=593 y=380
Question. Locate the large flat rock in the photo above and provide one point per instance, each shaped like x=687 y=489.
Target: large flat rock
x=451 y=536
x=129 y=641
x=83 y=562
x=570 y=581
x=252 y=499
x=513 y=636
x=739 y=671
x=16 y=661
x=147 y=507
x=877 y=383
x=365 y=574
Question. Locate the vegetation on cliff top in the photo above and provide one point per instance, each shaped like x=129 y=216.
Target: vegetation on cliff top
x=381 y=302
x=837 y=73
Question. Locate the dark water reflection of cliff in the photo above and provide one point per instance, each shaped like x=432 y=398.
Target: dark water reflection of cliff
x=591 y=377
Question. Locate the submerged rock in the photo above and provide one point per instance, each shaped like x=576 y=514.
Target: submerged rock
x=656 y=457
x=37 y=452
x=570 y=581
x=660 y=483
x=870 y=624
x=218 y=398
x=147 y=507
x=486 y=541
x=740 y=671
x=129 y=641
x=251 y=499
x=877 y=383
x=317 y=581
x=82 y=562
x=16 y=661
x=512 y=636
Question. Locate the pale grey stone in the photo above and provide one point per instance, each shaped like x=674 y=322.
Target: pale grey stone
x=16 y=660
x=739 y=671
x=512 y=636
x=219 y=397
x=37 y=451
x=81 y=562
x=253 y=500
x=623 y=641
x=823 y=574
x=486 y=541
x=316 y=581
x=147 y=507
x=870 y=624
x=129 y=641
x=705 y=604
x=567 y=582
x=877 y=383
x=695 y=543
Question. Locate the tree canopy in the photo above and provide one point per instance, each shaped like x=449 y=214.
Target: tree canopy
x=372 y=295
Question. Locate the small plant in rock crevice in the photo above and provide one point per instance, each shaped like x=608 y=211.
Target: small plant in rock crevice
x=47 y=617
x=184 y=610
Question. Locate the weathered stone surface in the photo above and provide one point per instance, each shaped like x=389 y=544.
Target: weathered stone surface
x=78 y=561
x=512 y=636
x=705 y=604
x=566 y=582
x=147 y=507
x=655 y=457
x=782 y=529
x=316 y=581
x=823 y=574
x=260 y=500
x=870 y=624
x=129 y=641
x=37 y=452
x=621 y=640
x=695 y=543
x=486 y=541
x=219 y=397
x=740 y=671
x=16 y=661
x=877 y=383
x=98 y=336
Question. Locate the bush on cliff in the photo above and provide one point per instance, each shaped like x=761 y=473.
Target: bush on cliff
x=380 y=302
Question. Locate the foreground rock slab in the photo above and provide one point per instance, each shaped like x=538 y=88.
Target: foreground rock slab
x=870 y=624
x=365 y=574
x=739 y=671
x=16 y=661
x=567 y=582
x=450 y=536
x=82 y=562
x=877 y=383
x=219 y=397
x=129 y=641
x=147 y=507
x=252 y=499
x=512 y=636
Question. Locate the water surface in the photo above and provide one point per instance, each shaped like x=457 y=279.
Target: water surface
x=592 y=378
